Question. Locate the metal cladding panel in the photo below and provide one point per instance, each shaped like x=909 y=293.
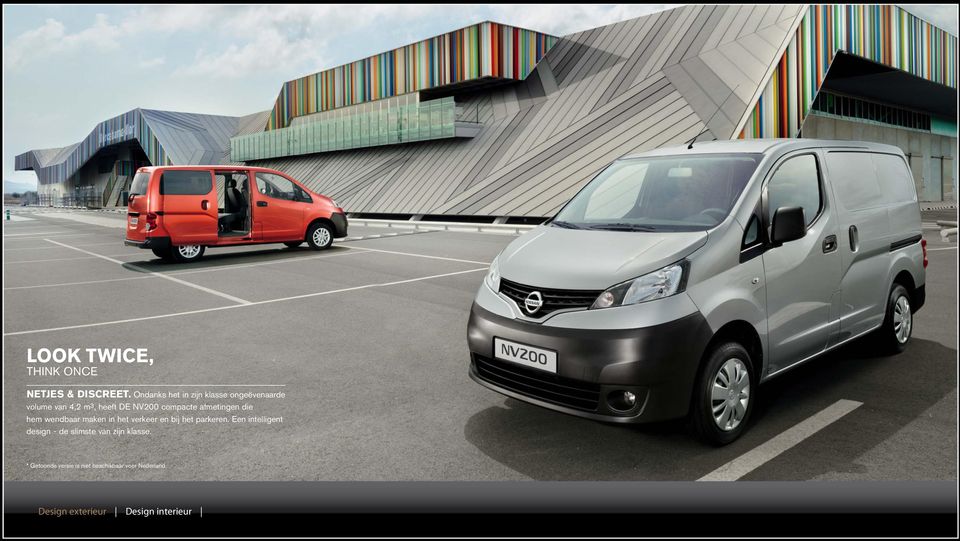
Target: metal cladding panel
x=885 y=34
x=596 y=95
x=482 y=50
x=166 y=138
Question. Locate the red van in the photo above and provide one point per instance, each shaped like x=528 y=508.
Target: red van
x=178 y=211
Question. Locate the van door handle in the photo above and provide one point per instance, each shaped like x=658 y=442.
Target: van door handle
x=205 y=204
x=261 y=203
x=854 y=238
x=830 y=244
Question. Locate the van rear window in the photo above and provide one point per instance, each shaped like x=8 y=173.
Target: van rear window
x=895 y=178
x=185 y=183
x=139 y=185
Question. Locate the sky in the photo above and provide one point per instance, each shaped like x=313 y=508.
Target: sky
x=66 y=68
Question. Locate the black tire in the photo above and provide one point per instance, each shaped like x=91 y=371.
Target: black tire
x=702 y=420
x=888 y=332
x=183 y=254
x=293 y=244
x=162 y=253
x=318 y=240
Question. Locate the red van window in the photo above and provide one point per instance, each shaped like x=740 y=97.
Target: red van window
x=185 y=183
x=139 y=186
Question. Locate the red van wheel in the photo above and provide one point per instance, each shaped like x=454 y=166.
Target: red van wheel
x=187 y=253
x=320 y=236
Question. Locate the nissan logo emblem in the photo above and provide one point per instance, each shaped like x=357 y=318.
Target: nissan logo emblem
x=533 y=302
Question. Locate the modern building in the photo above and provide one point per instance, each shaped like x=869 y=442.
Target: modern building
x=498 y=123
x=96 y=172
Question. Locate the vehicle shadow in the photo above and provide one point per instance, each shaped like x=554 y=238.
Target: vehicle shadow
x=215 y=258
x=546 y=445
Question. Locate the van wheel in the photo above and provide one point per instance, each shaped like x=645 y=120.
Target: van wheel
x=187 y=253
x=292 y=244
x=162 y=253
x=724 y=394
x=898 y=322
x=320 y=236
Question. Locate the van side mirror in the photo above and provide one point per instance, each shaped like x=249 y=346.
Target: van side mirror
x=788 y=225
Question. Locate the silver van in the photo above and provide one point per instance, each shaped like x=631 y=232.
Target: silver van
x=678 y=280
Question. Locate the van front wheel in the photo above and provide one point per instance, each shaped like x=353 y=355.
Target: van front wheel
x=320 y=236
x=724 y=395
x=187 y=253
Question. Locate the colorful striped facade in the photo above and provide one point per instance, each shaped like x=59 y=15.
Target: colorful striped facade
x=125 y=127
x=883 y=33
x=486 y=49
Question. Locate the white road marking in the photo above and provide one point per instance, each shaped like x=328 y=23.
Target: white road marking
x=232 y=306
x=65 y=259
x=194 y=271
x=41 y=286
x=940 y=249
x=157 y=274
x=32 y=233
x=760 y=455
x=57 y=247
x=40 y=235
x=420 y=255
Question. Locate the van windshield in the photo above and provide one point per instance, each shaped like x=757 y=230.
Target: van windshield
x=669 y=193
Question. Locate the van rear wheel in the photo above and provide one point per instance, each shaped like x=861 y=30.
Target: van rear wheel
x=320 y=236
x=897 y=325
x=723 y=397
x=187 y=253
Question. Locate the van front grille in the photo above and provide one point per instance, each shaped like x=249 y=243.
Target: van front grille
x=553 y=299
x=581 y=395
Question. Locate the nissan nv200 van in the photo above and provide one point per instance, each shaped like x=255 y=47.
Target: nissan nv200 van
x=179 y=211
x=678 y=280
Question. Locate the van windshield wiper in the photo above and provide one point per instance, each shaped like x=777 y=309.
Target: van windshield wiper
x=565 y=225
x=623 y=227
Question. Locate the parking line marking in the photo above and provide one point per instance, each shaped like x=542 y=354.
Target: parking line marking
x=164 y=276
x=232 y=306
x=57 y=247
x=31 y=233
x=940 y=249
x=760 y=455
x=63 y=259
x=419 y=255
x=42 y=234
x=194 y=271
x=40 y=286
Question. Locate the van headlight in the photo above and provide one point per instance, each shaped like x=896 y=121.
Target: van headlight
x=667 y=281
x=493 y=275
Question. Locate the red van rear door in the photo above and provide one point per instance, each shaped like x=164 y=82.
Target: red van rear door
x=189 y=206
x=138 y=206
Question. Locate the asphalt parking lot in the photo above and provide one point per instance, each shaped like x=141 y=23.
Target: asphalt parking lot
x=368 y=341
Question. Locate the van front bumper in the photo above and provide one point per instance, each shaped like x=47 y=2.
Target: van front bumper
x=658 y=364
x=339 y=225
x=159 y=243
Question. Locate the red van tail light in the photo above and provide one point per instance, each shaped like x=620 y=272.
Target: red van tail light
x=152 y=221
x=923 y=244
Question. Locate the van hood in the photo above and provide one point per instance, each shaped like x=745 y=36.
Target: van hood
x=554 y=257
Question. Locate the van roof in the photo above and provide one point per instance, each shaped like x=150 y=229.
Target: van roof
x=195 y=167
x=762 y=146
